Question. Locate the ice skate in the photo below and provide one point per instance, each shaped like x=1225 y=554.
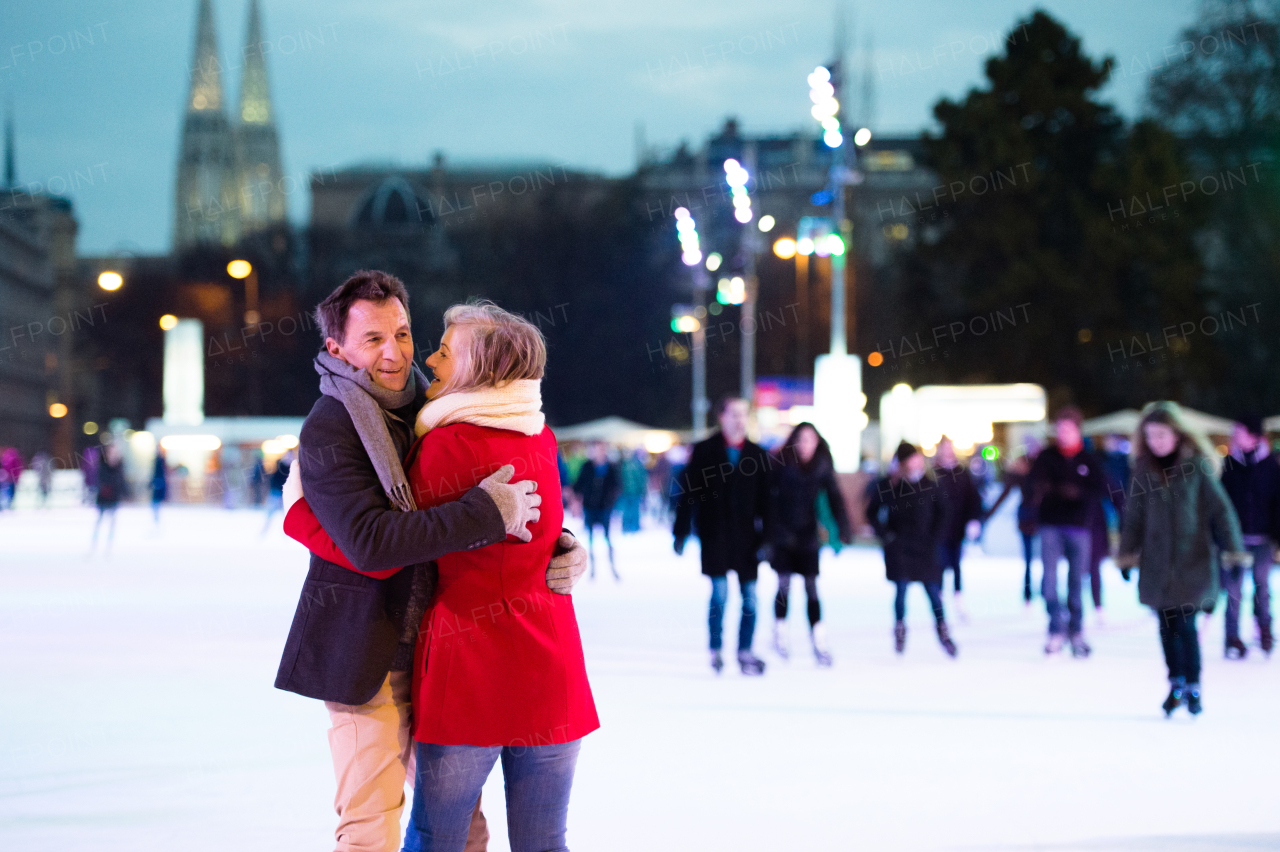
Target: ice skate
x=1174 y=700
x=1055 y=643
x=957 y=604
x=818 y=635
x=1099 y=620
x=944 y=636
x=1079 y=647
x=750 y=663
x=781 y=639
x=899 y=636
x=717 y=661
x=1265 y=639
x=1193 y=699
x=1235 y=649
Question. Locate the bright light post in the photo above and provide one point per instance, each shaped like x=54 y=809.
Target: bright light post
x=685 y=319
x=837 y=379
x=743 y=290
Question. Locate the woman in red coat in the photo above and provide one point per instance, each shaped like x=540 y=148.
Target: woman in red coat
x=500 y=671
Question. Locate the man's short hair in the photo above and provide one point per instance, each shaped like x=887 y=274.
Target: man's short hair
x=905 y=451
x=370 y=284
x=722 y=402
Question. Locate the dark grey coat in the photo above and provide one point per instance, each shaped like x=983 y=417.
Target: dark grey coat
x=348 y=626
x=1174 y=518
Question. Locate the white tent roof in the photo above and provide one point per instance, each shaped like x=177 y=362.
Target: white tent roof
x=614 y=430
x=1125 y=421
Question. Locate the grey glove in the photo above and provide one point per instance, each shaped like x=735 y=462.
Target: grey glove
x=567 y=565
x=517 y=501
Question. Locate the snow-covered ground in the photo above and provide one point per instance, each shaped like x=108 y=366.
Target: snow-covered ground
x=138 y=713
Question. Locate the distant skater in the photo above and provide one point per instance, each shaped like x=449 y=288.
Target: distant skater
x=964 y=513
x=1251 y=478
x=597 y=486
x=159 y=485
x=724 y=498
x=802 y=469
x=909 y=515
x=1175 y=514
x=112 y=488
x=1065 y=482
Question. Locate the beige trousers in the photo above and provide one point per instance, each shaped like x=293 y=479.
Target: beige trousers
x=373 y=755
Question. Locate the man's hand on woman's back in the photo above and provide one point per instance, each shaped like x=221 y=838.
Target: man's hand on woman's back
x=517 y=501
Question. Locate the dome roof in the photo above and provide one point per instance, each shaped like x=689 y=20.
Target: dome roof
x=393 y=202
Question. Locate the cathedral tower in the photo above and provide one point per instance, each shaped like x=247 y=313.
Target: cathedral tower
x=261 y=193
x=207 y=208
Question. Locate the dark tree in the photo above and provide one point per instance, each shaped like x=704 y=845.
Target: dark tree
x=1221 y=96
x=1062 y=223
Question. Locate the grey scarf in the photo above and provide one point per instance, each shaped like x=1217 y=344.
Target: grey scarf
x=370 y=407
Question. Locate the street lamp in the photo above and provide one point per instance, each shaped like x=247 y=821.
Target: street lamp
x=837 y=380
x=110 y=280
x=243 y=270
x=685 y=318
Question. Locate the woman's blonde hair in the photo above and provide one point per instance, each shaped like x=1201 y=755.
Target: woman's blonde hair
x=1170 y=414
x=499 y=347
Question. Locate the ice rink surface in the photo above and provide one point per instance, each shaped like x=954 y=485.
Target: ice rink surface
x=138 y=713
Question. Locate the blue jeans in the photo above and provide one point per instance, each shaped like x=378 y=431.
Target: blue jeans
x=1233 y=583
x=715 y=618
x=449 y=780
x=1075 y=543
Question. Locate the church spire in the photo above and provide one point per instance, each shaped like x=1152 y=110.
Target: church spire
x=207 y=209
x=259 y=174
x=206 y=73
x=255 y=97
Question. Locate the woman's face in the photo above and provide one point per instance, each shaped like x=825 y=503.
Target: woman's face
x=1161 y=439
x=443 y=361
x=806 y=445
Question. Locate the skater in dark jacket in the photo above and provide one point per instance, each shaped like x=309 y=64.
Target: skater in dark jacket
x=724 y=498
x=909 y=515
x=597 y=486
x=1251 y=477
x=1065 y=483
x=1176 y=512
x=113 y=487
x=802 y=469
x=964 y=509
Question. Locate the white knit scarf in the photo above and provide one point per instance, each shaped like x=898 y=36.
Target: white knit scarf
x=516 y=406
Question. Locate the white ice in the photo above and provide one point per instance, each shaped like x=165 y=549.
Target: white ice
x=137 y=711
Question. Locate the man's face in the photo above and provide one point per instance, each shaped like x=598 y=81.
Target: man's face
x=946 y=454
x=1068 y=433
x=1244 y=439
x=378 y=341
x=733 y=421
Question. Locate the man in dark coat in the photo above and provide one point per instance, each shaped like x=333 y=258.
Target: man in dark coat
x=1066 y=482
x=724 y=498
x=353 y=635
x=597 y=486
x=909 y=515
x=1251 y=477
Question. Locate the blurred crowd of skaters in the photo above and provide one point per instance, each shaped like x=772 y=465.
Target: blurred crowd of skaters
x=1193 y=522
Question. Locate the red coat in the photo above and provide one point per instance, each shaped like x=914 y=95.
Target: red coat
x=499 y=657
